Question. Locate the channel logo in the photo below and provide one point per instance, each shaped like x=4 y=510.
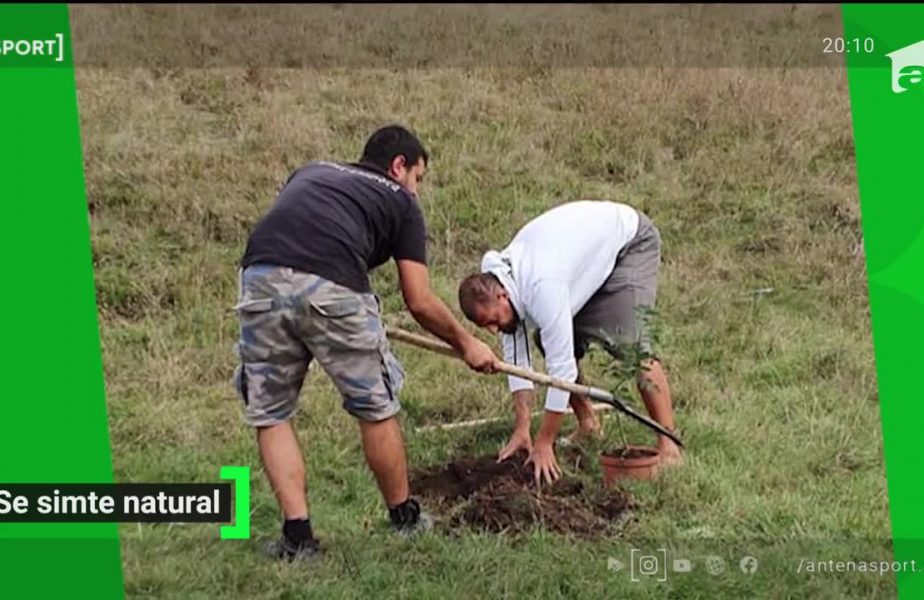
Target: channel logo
x=907 y=69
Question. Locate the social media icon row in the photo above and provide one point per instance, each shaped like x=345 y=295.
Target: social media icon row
x=656 y=564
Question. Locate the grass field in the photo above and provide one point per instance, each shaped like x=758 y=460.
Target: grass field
x=747 y=172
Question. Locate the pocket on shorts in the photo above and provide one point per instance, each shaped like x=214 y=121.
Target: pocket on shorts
x=346 y=322
x=254 y=305
x=337 y=308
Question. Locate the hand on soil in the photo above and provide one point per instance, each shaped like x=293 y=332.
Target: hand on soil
x=520 y=440
x=485 y=495
x=544 y=464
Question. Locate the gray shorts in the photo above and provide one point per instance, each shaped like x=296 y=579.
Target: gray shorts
x=287 y=319
x=617 y=315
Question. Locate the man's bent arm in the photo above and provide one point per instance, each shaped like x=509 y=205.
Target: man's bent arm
x=552 y=313
x=427 y=308
x=551 y=310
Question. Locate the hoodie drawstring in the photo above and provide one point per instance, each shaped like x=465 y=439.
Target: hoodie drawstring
x=529 y=359
x=526 y=341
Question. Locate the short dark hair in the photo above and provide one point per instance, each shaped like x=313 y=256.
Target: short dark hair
x=391 y=141
x=475 y=290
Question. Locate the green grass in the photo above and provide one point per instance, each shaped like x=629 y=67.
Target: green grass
x=749 y=176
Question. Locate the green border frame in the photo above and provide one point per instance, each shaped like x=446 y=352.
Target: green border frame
x=54 y=419
x=60 y=424
x=889 y=140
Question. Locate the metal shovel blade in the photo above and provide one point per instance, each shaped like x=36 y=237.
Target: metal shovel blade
x=608 y=398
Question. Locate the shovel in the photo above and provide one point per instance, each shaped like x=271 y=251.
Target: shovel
x=594 y=393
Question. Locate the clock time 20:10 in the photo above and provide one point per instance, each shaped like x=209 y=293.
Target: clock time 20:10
x=839 y=45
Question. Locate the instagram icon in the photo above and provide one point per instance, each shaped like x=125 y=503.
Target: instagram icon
x=649 y=565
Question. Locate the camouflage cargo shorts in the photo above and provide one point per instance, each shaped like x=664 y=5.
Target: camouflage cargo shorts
x=289 y=318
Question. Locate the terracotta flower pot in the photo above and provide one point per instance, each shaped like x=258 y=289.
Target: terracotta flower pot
x=629 y=462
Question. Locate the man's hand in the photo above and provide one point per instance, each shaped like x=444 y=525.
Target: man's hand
x=479 y=356
x=428 y=310
x=520 y=440
x=543 y=454
x=544 y=464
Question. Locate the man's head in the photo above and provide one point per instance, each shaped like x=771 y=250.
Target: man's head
x=486 y=303
x=399 y=153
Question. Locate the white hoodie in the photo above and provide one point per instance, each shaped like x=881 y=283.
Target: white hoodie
x=551 y=268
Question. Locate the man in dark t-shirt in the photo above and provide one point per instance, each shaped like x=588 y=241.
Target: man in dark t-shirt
x=339 y=222
x=305 y=295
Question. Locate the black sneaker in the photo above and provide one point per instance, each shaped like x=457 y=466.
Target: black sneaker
x=423 y=524
x=409 y=520
x=283 y=549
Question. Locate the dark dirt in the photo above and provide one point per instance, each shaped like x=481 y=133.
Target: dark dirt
x=481 y=494
x=625 y=453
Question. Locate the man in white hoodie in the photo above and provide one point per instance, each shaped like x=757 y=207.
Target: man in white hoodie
x=581 y=271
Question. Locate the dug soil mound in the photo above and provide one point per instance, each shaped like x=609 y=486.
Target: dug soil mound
x=482 y=494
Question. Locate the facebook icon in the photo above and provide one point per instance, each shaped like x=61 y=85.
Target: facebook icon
x=748 y=565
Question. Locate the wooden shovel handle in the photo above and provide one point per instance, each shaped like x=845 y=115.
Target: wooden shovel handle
x=582 y=390
x=528 y=374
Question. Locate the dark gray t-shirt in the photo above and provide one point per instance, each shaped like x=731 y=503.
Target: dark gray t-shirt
x=339 y=221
